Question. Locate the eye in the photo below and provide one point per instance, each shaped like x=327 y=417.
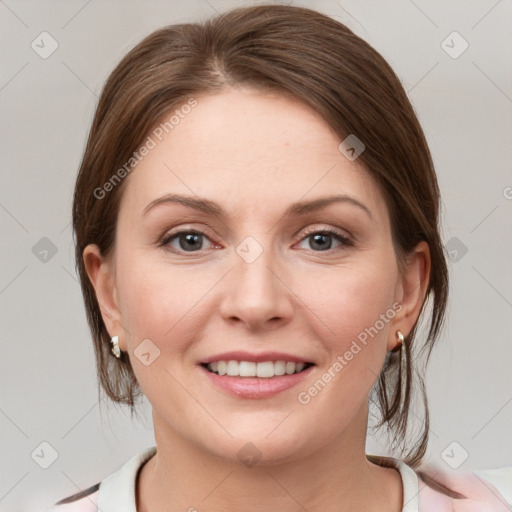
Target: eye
x=188 y=241
x=322 y=240
x=193 y=241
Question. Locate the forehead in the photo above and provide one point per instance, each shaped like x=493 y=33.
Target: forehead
x=247 y=150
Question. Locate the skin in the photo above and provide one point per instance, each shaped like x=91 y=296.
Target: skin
x=255 y=154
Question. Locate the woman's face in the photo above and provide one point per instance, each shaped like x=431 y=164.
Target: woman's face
x=254 y=270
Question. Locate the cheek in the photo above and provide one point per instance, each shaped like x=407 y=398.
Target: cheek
x=351 y=299
x=353 y=307
x=160 y=302
x=160 y=305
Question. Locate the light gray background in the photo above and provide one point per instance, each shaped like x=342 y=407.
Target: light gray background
x=48 y=386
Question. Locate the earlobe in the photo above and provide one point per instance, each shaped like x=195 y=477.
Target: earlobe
x=101 y=275
x=411 y=289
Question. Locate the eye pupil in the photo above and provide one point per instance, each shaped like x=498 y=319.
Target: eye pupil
x=320 y=239
x=191 y=239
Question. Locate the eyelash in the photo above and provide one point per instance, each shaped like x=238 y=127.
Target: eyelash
x=345 y=241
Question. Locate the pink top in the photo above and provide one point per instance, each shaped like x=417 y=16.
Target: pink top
x=479 y=491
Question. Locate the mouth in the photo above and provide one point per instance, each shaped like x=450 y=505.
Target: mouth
x=261 y=369
x=250 y=375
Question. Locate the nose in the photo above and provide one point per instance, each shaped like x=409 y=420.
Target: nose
x=255 y=293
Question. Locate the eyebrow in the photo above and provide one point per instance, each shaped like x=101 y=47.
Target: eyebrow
x=296 y=209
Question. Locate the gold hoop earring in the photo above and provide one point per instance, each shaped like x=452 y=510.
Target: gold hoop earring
x=115 y=346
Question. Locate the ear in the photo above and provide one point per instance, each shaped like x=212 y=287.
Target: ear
x=410 y=291
x=102 y=276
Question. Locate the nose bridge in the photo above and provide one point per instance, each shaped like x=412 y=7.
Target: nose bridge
x=253 y=261
x=255 y=293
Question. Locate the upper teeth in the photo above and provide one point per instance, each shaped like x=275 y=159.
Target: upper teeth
x=265 y=369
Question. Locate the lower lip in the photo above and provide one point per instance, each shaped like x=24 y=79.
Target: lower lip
x=256 y=387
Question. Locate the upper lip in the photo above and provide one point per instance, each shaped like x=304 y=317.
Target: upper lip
x=240 y=355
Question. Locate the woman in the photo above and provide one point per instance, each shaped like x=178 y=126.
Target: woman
x=256 y=221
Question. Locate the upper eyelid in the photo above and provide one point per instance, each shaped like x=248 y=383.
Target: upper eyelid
x=307 y=230
x=338 y=231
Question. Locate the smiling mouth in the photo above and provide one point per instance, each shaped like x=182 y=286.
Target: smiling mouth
x=263 y=369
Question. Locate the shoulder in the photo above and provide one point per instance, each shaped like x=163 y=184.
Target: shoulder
x=433 y=489
x=487 y=490
x=116 y=491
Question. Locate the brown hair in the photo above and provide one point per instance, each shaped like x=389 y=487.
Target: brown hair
x=289 y=50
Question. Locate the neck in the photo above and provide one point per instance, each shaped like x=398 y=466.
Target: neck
x=182 y=476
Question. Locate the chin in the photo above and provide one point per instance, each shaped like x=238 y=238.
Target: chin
x=255 y=446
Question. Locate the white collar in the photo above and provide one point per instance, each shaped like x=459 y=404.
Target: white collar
x=410 y=483
x=117 y=491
